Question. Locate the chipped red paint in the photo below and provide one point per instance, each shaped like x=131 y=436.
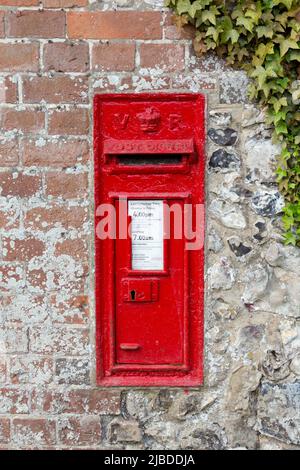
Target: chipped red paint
x=155 y=338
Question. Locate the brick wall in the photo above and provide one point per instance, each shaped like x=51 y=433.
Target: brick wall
x=54 y=56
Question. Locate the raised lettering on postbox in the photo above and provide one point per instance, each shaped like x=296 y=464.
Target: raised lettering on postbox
x=148 y=146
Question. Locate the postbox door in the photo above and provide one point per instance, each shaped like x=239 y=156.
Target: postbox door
x=150 y=310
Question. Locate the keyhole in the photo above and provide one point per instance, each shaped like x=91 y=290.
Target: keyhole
x=132 y=294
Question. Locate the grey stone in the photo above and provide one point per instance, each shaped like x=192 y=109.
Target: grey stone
x=240 y=432
x=124 y=431
x=184 y=405
x=275 y=366
x=206 y=440
x=221 y=275
x=252 y=116
x=139 y=405
x=267 y=204
x=238 y=247
x=274 y=255
x=256 y=279
x=260 y=235
x=295 y=365
x=278 y=411
x=220 y=118
x=243 y=381
x=215 y=243
x=229 y=214
x=250 y=337
x=163 y=400
x=223 y=160
x=225 y=311
x=225 y=137
x=260 y=160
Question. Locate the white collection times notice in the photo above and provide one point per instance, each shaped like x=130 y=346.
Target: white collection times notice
x=147 y=234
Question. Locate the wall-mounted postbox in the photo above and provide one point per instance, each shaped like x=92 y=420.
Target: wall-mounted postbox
x=149 y=195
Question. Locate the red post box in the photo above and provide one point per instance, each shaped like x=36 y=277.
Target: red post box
x=149 y=196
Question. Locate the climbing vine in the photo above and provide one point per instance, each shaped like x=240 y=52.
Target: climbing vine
x=263 y=38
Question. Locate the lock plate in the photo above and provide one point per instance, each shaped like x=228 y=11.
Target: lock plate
x=140 y=290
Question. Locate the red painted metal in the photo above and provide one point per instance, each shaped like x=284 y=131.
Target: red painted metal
x=149 y=325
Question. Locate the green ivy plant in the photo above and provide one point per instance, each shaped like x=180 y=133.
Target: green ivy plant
x=262 y=38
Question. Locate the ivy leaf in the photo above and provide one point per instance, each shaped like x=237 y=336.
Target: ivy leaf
x=278 y=103
x=295 y=55
x=265 y=49
x=210 y=16
x=290 y=239
x=287 y=3
x=183 y=6
x=254 y=14
x=234 y=36
x=287 y=44
x=196 y=6
x=211 y=31
x=261 y=75
x=246 y=22
x=281 y=128
x=264 y=31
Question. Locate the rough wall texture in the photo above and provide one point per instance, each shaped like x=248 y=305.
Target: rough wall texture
x=54 y=55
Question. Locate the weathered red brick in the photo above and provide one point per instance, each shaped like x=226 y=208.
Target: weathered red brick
x=36 y=279
x=169 y=57
x=4 y=430
x=72 y=371
x=1 y=24
x=19 y=57
x=114 y=25
x=24 y=121
x=64 y=3
x=15 y=249
x=35 y=24
x=31 y=370
x=66 y=185
x=26 y=308
x=9 y=217
x=45 y=218
x=57 y=90
x=81 y=431
x=54 y=153
x=66 y=57
x=105 y=84
x=71 y=122
x=63 y=340
x=11 y=277
x=77 y=401
x=8 y=90
x=13 y=340
x=9 y=152
x=14 y=400
x=19 y=3
x=19 y=184
x=41 y=280
x=3 y=370
x=74 y=309
x=113 y=56
x=76 y=248
x=34 y=431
